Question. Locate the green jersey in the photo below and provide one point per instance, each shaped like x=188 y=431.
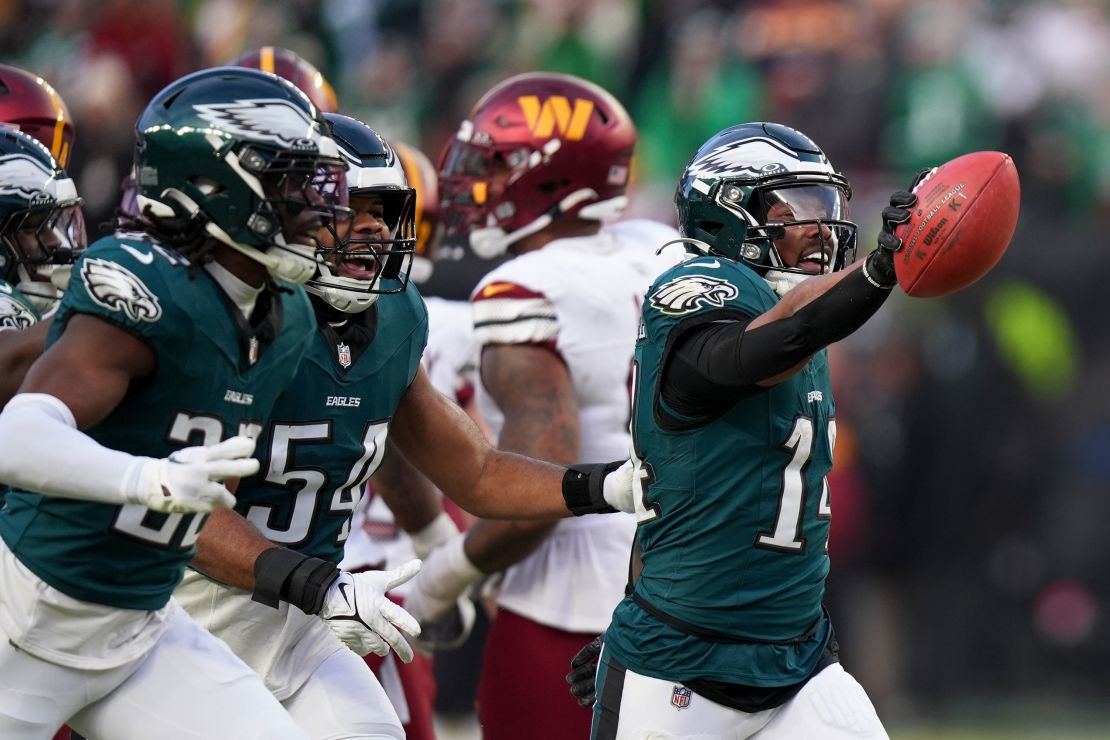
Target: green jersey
x=735 y=513
x=327 y=433
x=16 y=312
x=216 y=376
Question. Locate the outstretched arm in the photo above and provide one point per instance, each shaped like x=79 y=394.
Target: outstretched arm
x=442 y=442
x=721 y=362
x=541 y=421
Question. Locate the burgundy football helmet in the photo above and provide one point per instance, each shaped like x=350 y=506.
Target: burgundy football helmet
x=421 y=176
x=536 y=148
x=30 y=104
x=295 y=68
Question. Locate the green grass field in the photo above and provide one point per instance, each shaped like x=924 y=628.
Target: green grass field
x=1030 y=718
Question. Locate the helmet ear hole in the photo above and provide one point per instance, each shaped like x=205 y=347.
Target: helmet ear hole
x=710 y=227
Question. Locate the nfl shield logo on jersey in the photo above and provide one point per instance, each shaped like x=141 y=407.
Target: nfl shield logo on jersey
x=680 y=697
x=344 y=353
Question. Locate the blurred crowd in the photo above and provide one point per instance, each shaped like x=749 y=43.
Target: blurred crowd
x=974 y=453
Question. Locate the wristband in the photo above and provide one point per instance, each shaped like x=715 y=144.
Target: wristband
x=878 y=268
x=584 y=488
x=281 y=574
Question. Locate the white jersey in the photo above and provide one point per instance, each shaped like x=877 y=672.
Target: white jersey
x=450 y=360
x=581 y=298
x=451 y=355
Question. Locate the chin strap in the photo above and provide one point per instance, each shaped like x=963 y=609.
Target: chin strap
x=493 y=241
x=41 y=294
x=783 y=282
x=292 y=263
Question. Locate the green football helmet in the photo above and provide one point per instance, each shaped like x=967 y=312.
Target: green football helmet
x=360 y=264
x=42 y=230
x=766 y=195
x=245 y=156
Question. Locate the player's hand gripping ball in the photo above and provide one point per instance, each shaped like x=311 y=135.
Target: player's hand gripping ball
x=963 y=220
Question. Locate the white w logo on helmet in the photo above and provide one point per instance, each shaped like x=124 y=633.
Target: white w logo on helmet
x=688 y=293
x=264 y=120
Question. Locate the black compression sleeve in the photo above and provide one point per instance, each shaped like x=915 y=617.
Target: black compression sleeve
x=717 y=364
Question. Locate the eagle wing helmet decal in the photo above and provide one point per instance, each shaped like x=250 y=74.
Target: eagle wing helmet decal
x=752 y=157
x=688 y=293
x=13 y=315
x=118 y=289
x=23 y=176
x=267 y=120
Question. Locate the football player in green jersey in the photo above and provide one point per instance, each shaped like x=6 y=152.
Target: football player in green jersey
x=266 y=578
x=169 y=339
x=724 y=634
x=326 y=438
x=38 y=244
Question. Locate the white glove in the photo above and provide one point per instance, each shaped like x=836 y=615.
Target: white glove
x=444 y=580
x=191 y=479
x=435 y=533
x=449 y=631
x=618 y=490
x=358 y=612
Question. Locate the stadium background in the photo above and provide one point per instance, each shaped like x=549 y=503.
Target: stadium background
x=970 y=584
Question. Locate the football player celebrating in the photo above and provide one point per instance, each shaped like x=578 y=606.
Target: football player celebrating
x=401 y=516
x=167 y=341
x=270 y=586
x=327 y=437
x=538 y=169
x=724 y=634
x=33 y=268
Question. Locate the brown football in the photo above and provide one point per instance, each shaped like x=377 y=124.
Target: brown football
x=963 y=220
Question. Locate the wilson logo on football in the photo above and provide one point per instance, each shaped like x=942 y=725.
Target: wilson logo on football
x=688 y=293
x=556 y=113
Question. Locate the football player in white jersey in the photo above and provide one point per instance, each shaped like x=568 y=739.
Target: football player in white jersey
x=538 y=169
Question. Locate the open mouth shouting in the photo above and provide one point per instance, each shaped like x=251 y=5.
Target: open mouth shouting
x=814 y=260
x=358 y=265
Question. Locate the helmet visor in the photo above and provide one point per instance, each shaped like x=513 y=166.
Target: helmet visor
x=373 y=250
x=802 y=203
x=807 y=225
x=53 y=235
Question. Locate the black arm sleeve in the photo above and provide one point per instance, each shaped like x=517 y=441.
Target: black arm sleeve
x=714 y=365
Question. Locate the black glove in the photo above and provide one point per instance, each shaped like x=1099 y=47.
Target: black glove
x=879 y=267
x=583 y=673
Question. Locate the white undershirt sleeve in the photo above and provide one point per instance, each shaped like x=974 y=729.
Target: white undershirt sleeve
x=44 y=452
